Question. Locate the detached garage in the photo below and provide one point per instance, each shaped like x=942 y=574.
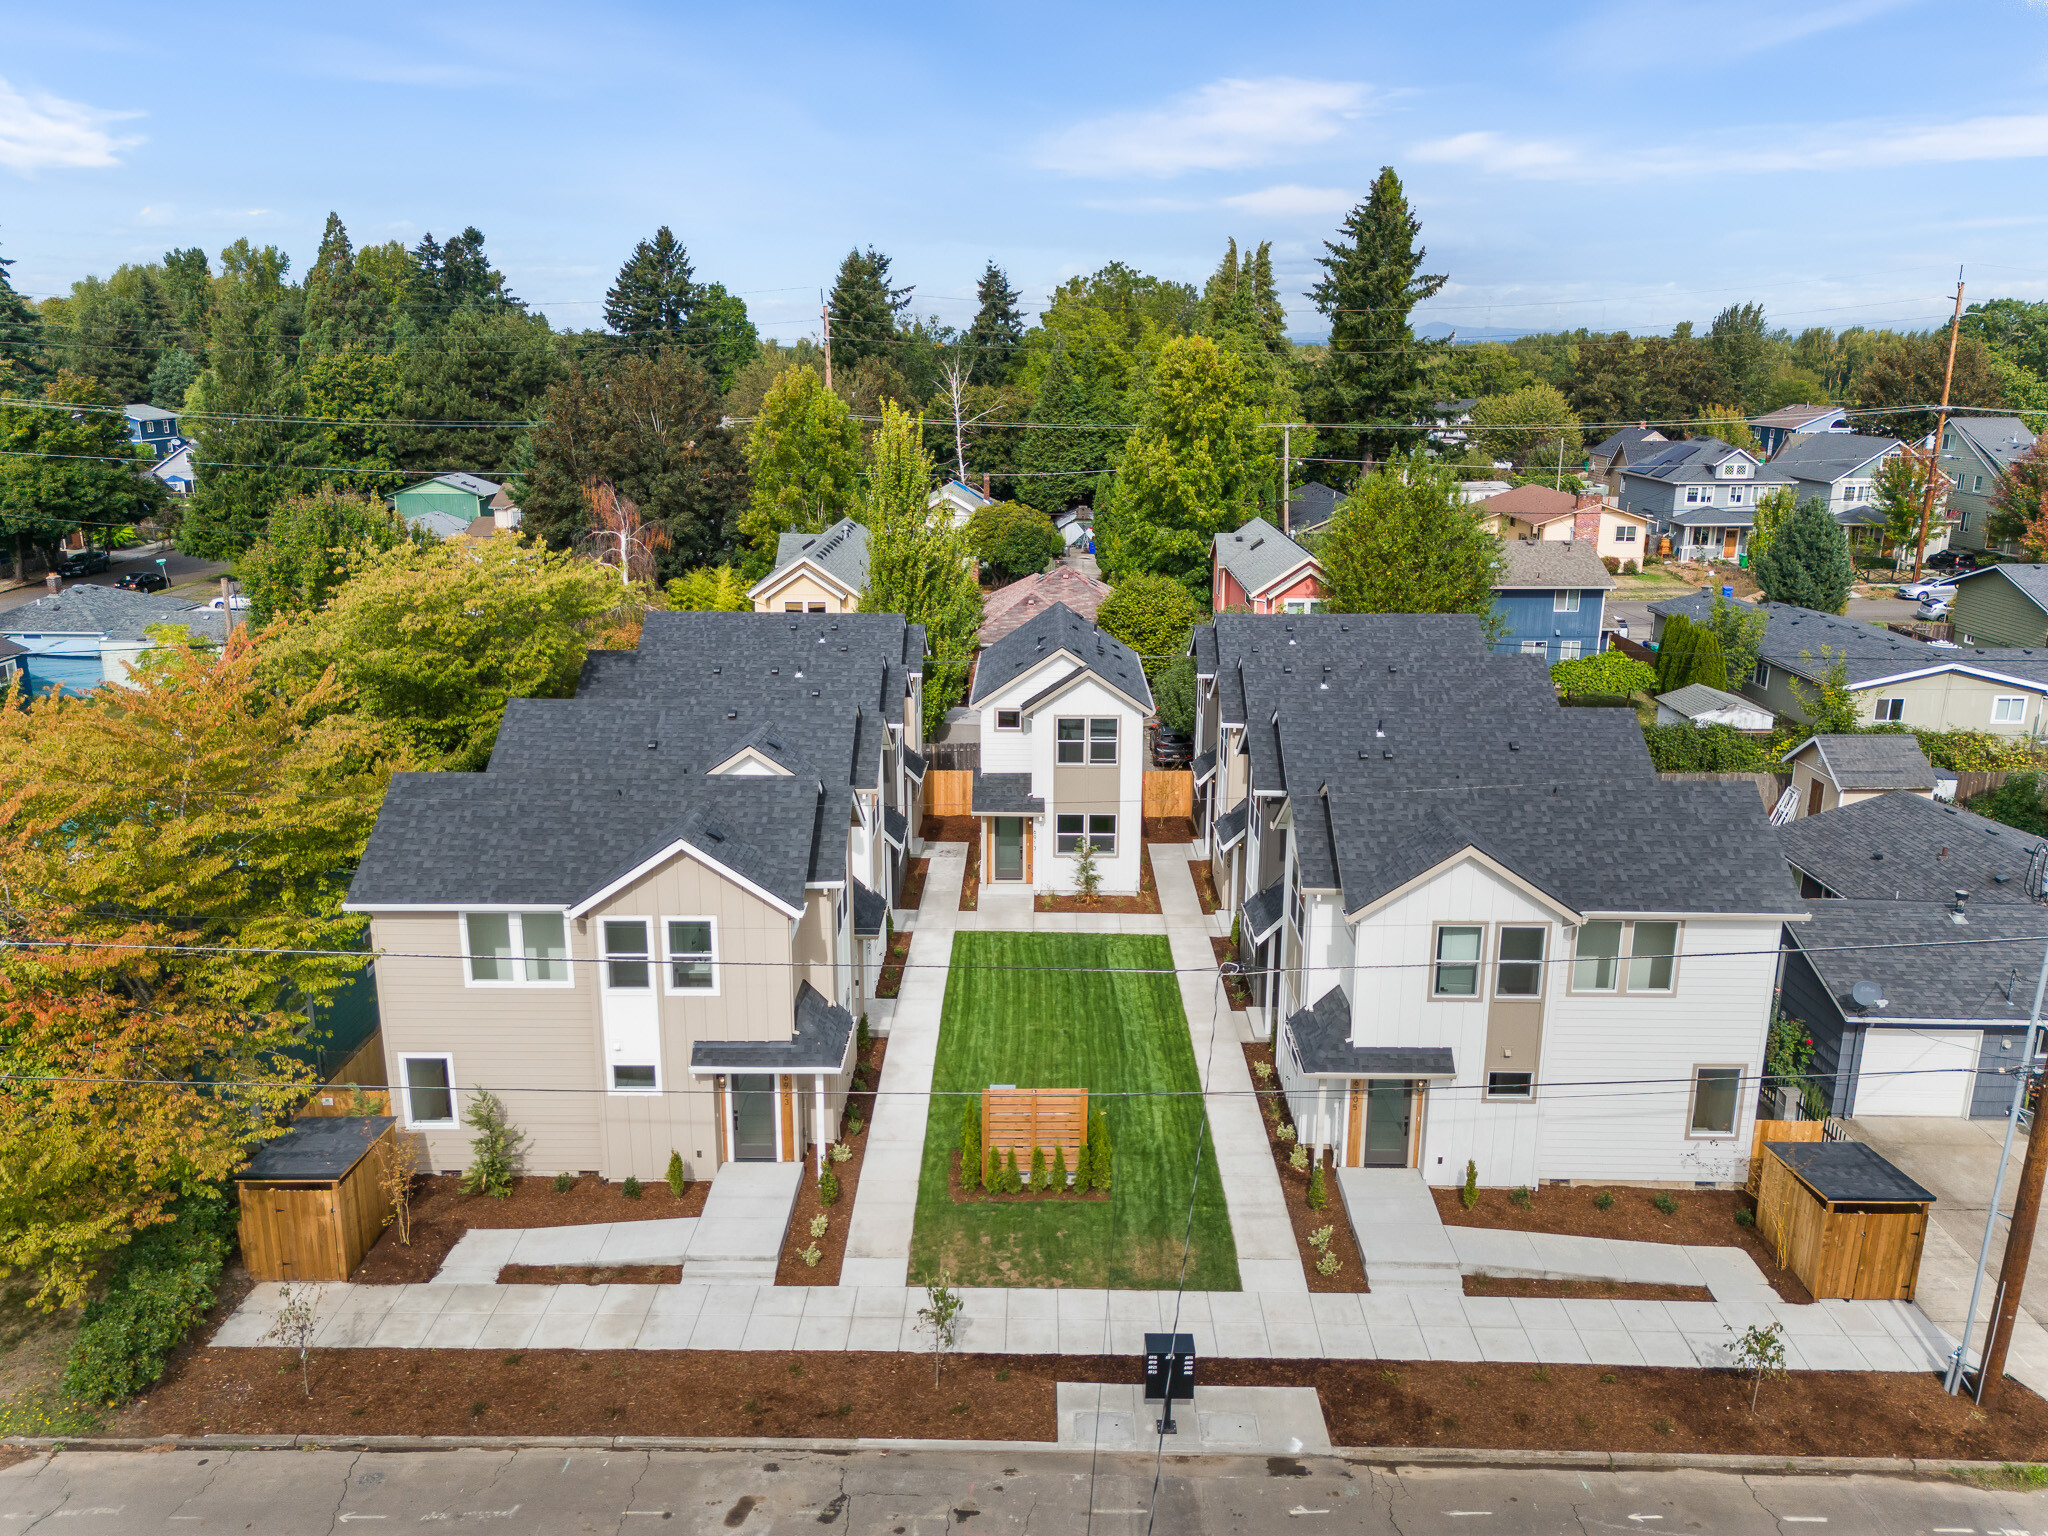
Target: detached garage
x=1917 y=1071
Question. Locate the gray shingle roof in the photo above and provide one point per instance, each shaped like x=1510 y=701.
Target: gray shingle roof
x=1907 y=848
x=841 y=551
x=1630 y=439
x=1849 y=1170
x=114 y=612
x=1059 y=629
x=1311 y=505
x=1830 y=455
x=1794 y=416
x=1696 y=699
x=317 y=1147
x=1551 y=565
x=1322 y=1044
x=2000 y=439
x=2030 y=581
x=1686 y=463
x=870 y=912
x=818 y=1043
x=1258 y=554
x=149 y=413
x=1713 y=517
x=895 y=825
x=1262 y=912
x=1005 y=794
x=1879 y=761
x=1989 y=978
x=1230 y=825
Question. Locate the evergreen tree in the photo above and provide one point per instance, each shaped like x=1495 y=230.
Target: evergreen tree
x=1741 y=633
x=343 y=308
x=1038 y=1169
x=1059 y=1170
x=995 y=340
x=1057 y=456
x=1374 y=370
x=1706 y=664
x=446 y=277
x=1013 y=1181
x=865 y=311
x=655 y=296
x=175 y=372
x=1674 y=652
x=970 y=1141
x=1808 y=561
x=1084 y=1164
x=21 y=334
x=992 y=1179
x=1105 y=1157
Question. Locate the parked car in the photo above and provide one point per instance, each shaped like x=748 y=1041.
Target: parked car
x=1953 y=560
x=1173 y=749
x=1926 y=587
x=82 y=562
x=237 y=602
x=144 y=581
x=1933 y=608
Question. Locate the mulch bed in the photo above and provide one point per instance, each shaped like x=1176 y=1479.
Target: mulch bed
x=1604 y=1290
x=1145 y=902
x=963 y=1195
x=1169 y=829
x=913 y=884
x=950 y=829
x=970 y=878
x=890 y=982
x=1704 y=1217
x=790 y=1269
x=441 y=1213
x=1350 y=1275
x=591 y=1274
x=1205 y=886
x=1011 y=1397
x=1234 y=987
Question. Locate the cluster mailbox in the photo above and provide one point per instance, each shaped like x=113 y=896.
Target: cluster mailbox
x=1169 y=1373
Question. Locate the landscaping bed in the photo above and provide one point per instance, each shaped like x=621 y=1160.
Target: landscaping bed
x=790 y=1269
x=950 y=829
x=1205 y=886
x=970 y=877
x=1169 y=829
x=441 y=1213
x=1073 y=1010
x=912 y=896
x=1144 y=903
x=1012 y=1397
x=975 y=1194
x=1582 y=1290
x=590 y=1274
x=1350 y=1274
x=1703 y=1218
x=1235 y=988
x=890 y=982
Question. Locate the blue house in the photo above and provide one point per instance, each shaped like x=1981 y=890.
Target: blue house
x=154 y=427
x=1552 y=596
x=88 y=635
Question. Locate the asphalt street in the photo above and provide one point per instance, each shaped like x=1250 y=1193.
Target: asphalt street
x=182 y=569
x=923 y=1493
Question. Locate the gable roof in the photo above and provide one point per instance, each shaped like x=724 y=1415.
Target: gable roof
x=960 y=495
x=146 y=412
x=1549 y=565
x=2030 y=581
x=1259 y=555
x=442 y=525
x=1830 y=456
x=1311 y=505
x=175 y=465
x=2001 y=439
x=1696 y=699
x=1795 y=417
x=112 y=612
x=841 y=552
x=1906 y=848
x=1627 y=440
x=1009 y=608
x=1532 y=504
x=1059 y=630
x=1984 y=971
x=1890 y=760
x=1690 y=462
x=475 y=485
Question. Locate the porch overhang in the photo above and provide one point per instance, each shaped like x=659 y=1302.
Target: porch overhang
x=1319 y=1038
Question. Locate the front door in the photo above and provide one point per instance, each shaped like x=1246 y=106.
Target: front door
x=1729 y=539
x=1009 y=848
x=1388 y=1105
x=753 y=1118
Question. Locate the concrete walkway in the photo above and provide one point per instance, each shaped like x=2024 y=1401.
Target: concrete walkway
x=746 y=1218
x=1391 y=1210
x=477 y=1256
x=1285 y=1420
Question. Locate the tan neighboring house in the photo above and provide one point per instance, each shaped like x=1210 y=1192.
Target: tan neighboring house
x=1828 y=771
x=651 y=925
x=1538 y=512
x=816 y=572
x=1012 y=607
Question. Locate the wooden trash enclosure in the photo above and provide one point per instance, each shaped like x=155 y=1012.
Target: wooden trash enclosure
x=1778 y=1130
x=1022 y=1119
x=1841 y=1218
x=312 y=1201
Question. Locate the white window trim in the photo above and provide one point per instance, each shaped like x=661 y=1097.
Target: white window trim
x=1692 y=1101
x=1890 y=711
x=612 y=1087
x=1058 y=744
x=405 y=1088
x=1535 y=648
x=1478 y=964
x=604 y=959
x=1565 y=600
x=668 y=986
x=2009 y=698
x=1570 y=650
x=515 y=921
x=999 y=720
x=1761 y=675
x=1116 y=741
x=1085 y=835
x=1486 y=1089
x=1542 y=963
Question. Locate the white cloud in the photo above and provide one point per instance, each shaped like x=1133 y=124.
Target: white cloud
x=1534 y=158
x=43 y=132
x=1293 y=202
x=1224 y=125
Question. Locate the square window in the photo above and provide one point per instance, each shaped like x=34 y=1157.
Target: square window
x=490 y=946
x=1072 y=742
x=1009 y=719
x=1564 y=602
x=1568 y=650
x=1715 y=1092
x=1535 y=647
x=1102 y=740
x=1889 y=709
x=1653 y=948
x=1520 y=972
x=1457 y=961
x=625 y=954
x=1510 y=1085
x=1102 y=833
x=1598 y=957
x=690 y=955
x=429 y=1089
x=1067 y=834
x=2008 y=709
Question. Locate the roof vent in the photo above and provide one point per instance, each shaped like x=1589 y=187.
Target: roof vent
x=732 y=714
x=1514 y=746
x=1388 y=755
x=652 y=745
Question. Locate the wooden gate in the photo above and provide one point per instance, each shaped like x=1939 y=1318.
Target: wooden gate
x=948 y=792
x=1169 y=792
x=1021 y=1120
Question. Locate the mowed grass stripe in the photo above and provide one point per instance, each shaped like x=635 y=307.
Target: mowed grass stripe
x=1092 y=1027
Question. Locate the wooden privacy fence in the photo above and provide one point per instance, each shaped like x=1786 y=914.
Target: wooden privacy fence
x=1970 y=785
x=362 y=1070
x=949 y=792
x=1021 y=1120
x=1169 y=792
x=1778 y=1130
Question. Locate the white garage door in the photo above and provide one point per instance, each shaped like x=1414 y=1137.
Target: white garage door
x=1917 y=1072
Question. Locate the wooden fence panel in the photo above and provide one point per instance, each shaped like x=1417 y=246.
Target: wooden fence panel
x=1169 y=792
x=1020 y=1120
x=1633 y=649
x=289 y=1232
x=1970 y=785
x=1778 y=1130
x=948 y=792
x=363 y=1204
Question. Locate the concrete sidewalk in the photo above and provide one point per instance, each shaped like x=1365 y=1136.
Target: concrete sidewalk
x=477 y=1256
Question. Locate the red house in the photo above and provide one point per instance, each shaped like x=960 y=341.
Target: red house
x=1258 y=569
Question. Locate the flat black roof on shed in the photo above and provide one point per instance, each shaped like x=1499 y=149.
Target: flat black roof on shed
x=1849 y=1172
x=317 y=1147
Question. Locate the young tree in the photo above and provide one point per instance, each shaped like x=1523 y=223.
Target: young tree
x=618 y=538
x=865 y=310
x=919 y=564
x=1014 y=540
x=1807 y=563
x=1403 y=542
x=1773 y=507
x=710 y=589
x=1374 y=370
x=1533 y=428
x=1900 y=492
x=1740 y=632
x=805 y=453
x=1087 y=875
x=1154 y=616
x=996 y=338
x=307 y=550
x=1198 y=464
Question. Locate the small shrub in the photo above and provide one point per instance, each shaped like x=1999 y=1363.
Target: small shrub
x=1541 y=1373
x=796 y=1367
x=1329 y=1263
x=1662 y=1426
x=1391 y=1378
x=1298 y=1159
x=970 y=1140
x=812 y=1255
x=1586 y=1423
x=1318 y=1196
x=1604 y=1201
x=1628 y=568
x=828 y=1188
x=1666 y=1202
x=1038 y=1168
x=865 y=1037
x=1104 y=1165
x=398 y=1166
x=1608 y=1378
x=841 y=1152
x=1745 y=1217
x=631 y=1188
x=1520 y=1196
x=1059 y=1170
x=678 y=1175
x=819 y=1223
x=1285 y=1133
x=1263 y=1071
x=854 y=1123
x=495 y=1150
x=1613 y=564
x=1320 y=1238
x=564 y=1182
x=1469 y=1195
x=159 y=1287
x=992 y=1176
x=1013 y=1181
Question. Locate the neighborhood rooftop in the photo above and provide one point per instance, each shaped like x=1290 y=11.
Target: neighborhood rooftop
x=1885 y=761
x=114 y=612
x=1056 y=630
x=1258 y=554
x=1908 y=848
x=1550 y=564
x=841 y=551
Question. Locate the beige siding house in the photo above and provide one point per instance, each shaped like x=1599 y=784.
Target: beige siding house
x=1828 y=771
x=816 y=572
x=651 y=925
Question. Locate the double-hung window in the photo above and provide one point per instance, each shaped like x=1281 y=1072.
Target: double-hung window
x=1519 y=971
x=1072 y=742
x=1651 y=948
x=1735 y=495
x=516 y=949
x=626 y=967
x=1564 y=602
x=692 y=955
x=1457 y=960
x=1102 y=740
x=1098 y=831
x=1569 y=650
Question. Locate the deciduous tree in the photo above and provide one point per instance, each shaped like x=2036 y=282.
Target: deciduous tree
x=805 y=454
x=1532 y=427
x=309 y=547
x=1405 y=542
x=60 y=471
x=1013 y=539
x=2019 y=502
x=1152 y=614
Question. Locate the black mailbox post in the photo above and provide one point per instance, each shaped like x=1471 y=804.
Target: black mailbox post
x=1169 y=1373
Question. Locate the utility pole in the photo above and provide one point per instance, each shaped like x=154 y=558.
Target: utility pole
x=2019 y=1247
x=1955 y=327
x=1286 y=510
x=825 y=314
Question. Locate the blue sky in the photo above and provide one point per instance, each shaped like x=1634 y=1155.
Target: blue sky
x=1618 y=165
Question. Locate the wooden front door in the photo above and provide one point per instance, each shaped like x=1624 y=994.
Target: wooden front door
x=1729 y=539
x=1354 y=1128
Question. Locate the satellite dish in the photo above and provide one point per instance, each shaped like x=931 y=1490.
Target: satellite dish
x=1867 y=995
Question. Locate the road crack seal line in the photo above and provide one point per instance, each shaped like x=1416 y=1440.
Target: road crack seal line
x=633 y=1493
x=340 y=1498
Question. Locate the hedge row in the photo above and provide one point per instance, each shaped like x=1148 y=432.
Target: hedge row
x=161 y=1285
x=1723 y=749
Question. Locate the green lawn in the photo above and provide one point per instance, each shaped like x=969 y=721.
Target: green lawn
x=1111 y=1034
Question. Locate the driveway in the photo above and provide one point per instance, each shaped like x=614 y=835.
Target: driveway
x=184 y=571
